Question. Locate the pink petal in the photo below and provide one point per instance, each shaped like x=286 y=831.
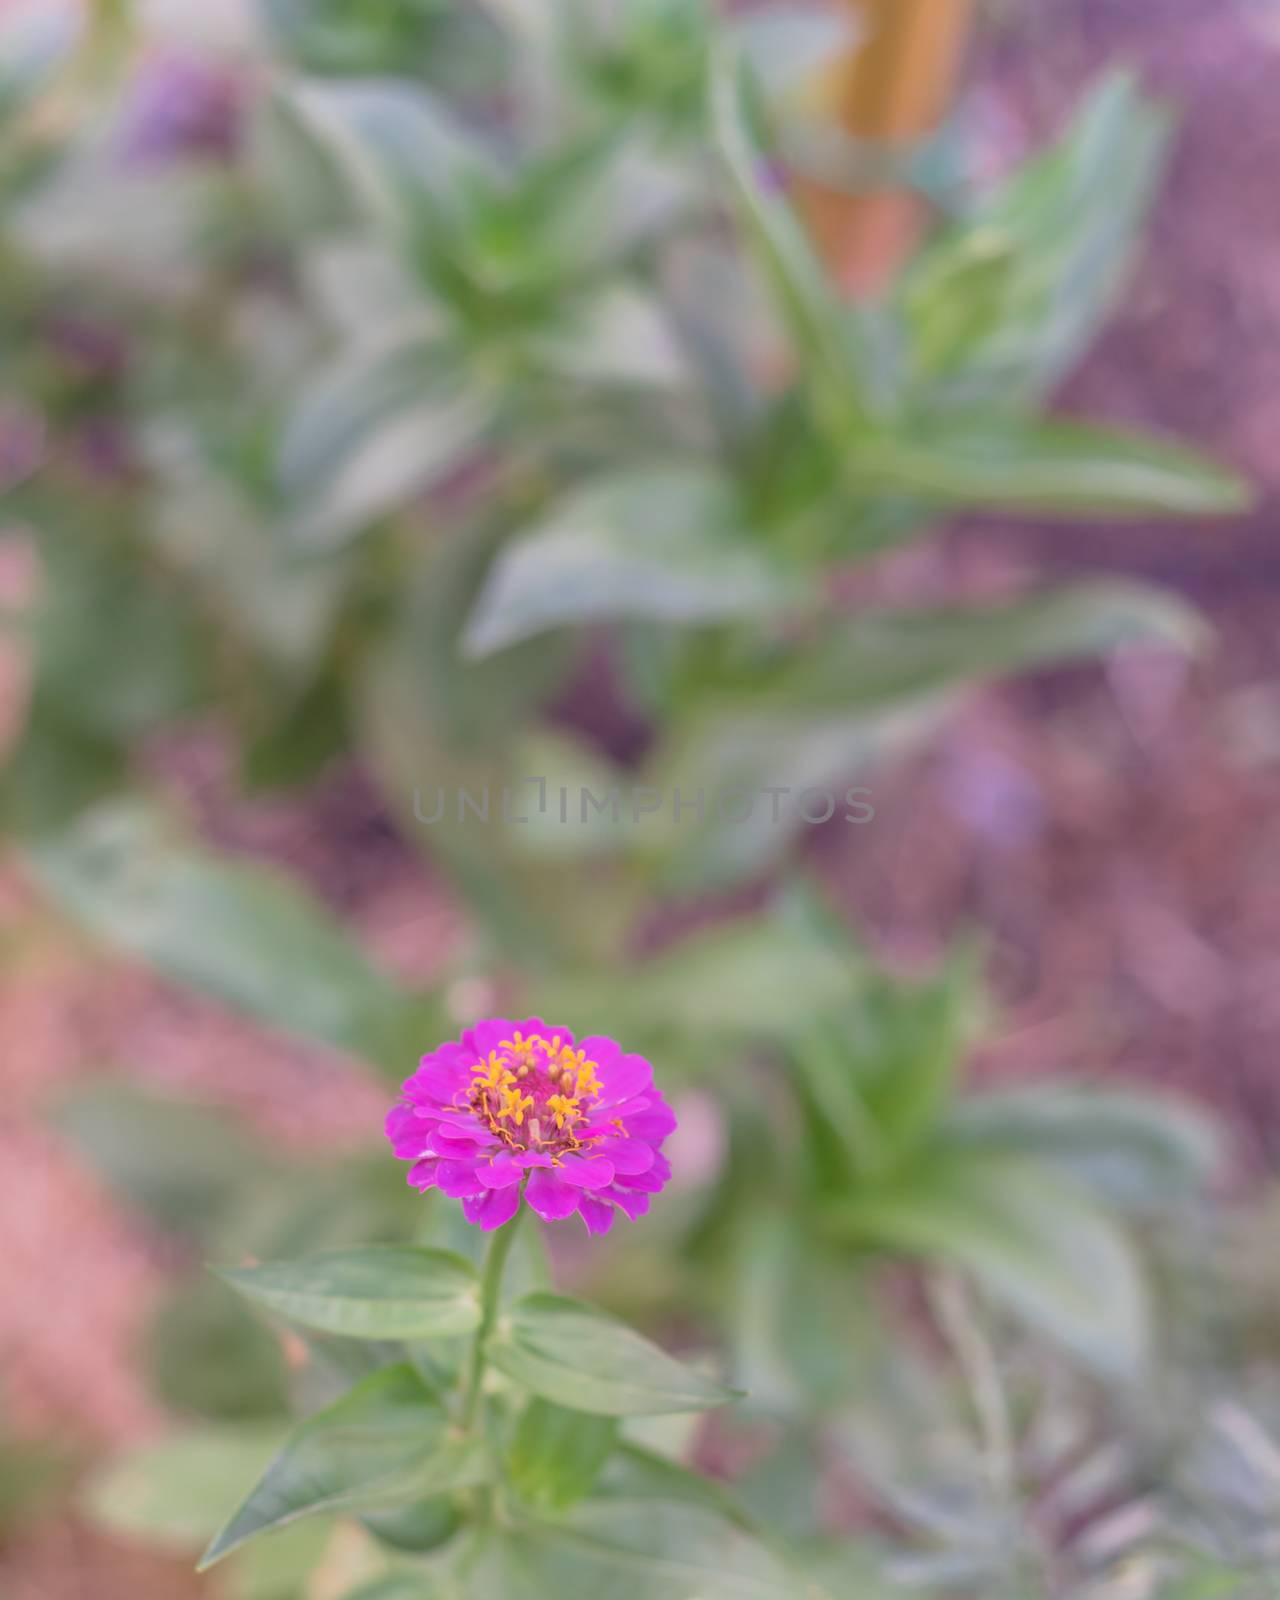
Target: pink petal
x=451 y=1149
x=550 y=1198
x=585 y=1172
x=491 y=1209
x=627 y=1155
x=654 y=1178
x=597 y=1130
x=409 y=1136
x=623 y=1079
x=487 y=1035
x=605 y=1052
x=532 y=1158
x=440 y=1077
x=653 y=1124
x=595 y=1213
x=462 y=1125
x=458 y=1179
x=501 y=1172
x=422 y=1174
x=635 y=1205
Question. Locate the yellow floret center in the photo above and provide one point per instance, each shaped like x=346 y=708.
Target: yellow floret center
x=565 y=1109
x=535 y=1093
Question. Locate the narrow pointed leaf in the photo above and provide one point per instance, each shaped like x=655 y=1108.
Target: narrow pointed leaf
x=587 y=1360
x=240 y=932
x=373 y=432
x=1035 y=1239
x=871 y=688
x=1142 y=1152
x=634 y=1550
x=1005 y=301
x=557 y=1454
x=387 y=1442
x=1049 y=468
x=666 y=543
x=820 y=330
x=400 y=148
x=381 y=1292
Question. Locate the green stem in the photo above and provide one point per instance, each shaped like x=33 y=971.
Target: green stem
x=490 y=1296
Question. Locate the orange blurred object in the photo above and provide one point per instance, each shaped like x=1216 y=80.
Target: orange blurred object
x=893 y=88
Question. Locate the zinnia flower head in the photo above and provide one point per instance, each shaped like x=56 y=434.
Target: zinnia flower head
x=520 y=1108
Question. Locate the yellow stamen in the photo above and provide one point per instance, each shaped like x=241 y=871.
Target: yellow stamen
x=493 y=1072
x=572 y=1067
x=565 y=1107
x=515 y=1104
x=524 y=1050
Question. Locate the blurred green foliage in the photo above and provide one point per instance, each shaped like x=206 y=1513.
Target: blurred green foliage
x=365 y=380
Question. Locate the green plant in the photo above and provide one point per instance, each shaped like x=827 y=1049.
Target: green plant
x=362 y=420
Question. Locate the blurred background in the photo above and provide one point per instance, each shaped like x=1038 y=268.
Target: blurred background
x=406 y=396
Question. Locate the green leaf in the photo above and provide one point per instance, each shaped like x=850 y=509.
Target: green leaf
x=869 y=662
x=418 y=1528
x=642 y=1550
x=338 y=407
x=635 y=1472
x=1006 y=300
x=1035 y=1239
x=328 y=36
x=801 y=1316
x=1052 y=468
x=556 y=1454
x=1138 y=1149
x=620 y=336
x=407 y=159
x=879 y=1073
x=757 y=978
x=822 y=332
x=667 y=543
x=116 y=648
x=584 y=1359
x=386 y=1443
x=168 y=1493
x=243 y=933
x=873 y=686
x=372 y=432
x=906 y=1043
x=381 y=1292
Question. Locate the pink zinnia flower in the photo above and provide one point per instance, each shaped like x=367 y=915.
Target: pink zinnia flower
x=518 y=1108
